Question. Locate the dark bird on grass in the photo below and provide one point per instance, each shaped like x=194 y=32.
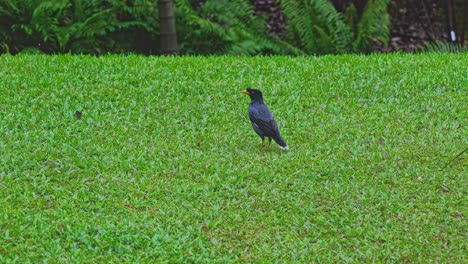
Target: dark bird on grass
x=262 y=119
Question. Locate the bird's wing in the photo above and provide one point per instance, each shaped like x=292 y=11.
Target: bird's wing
x=262 y=118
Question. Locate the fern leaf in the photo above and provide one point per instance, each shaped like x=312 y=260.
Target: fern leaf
x=317 y=27
x=373 y=26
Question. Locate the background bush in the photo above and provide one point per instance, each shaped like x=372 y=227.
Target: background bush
x=224 y=27
x=78 y=26
x=203 y=27
x=317 y=27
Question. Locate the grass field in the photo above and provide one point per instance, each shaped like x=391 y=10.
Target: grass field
x=163 y=165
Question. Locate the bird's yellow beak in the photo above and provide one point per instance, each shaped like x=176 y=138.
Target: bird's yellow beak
x=245 y=92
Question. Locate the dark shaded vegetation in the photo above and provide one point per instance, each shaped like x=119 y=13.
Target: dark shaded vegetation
x=244 y=27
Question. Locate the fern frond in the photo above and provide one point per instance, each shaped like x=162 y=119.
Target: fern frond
x=373 y=26
x=224 y=27
x=316 y=26
x=338 y=31
x=45 y=19
x=300 y=28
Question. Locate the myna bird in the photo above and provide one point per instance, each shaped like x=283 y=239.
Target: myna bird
x=262 y=119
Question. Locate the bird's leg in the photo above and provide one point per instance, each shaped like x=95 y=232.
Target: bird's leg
x=263 y=140
x=269 y=142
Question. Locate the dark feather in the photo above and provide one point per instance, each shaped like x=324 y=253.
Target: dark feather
x=262 y=119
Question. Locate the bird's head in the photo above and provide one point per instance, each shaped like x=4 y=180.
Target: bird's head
x=254 y=94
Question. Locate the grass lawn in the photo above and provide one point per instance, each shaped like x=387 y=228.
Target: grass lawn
x=162 y=164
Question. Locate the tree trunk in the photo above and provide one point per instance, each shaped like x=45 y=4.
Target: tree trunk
x=167 y=28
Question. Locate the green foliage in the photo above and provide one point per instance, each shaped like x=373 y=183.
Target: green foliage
x=99 y=26
x=441 y=46
x=224 y=27
x=316 y=27
x=162 y=164
x=373 y=26
x=76 y=26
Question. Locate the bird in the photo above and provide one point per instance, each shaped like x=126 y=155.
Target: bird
x=262 y=119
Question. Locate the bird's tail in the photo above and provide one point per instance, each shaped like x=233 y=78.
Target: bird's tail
x=280 y=141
